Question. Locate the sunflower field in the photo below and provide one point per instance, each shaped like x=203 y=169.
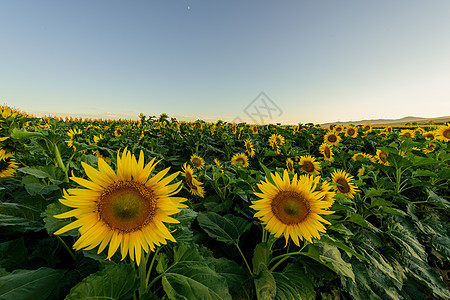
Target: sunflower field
x=163 y=209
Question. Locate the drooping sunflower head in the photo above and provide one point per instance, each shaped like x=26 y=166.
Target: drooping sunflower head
x=382 y=157
x=290 y=165
x=74 y=132
x=197 y=161
x=429 y=148
x=127 y=207
x=239 y=159
x=343 y=183
x=8 y=165
x=194 y=185
x=118 y=132
x=326 y=151
x=309 y=165
x=276 y=148
x=443 y=133
x=430 y=135
x=361 y=155
x=407 y=133
x=351 y=131
x=249 y=147
x=331 y=138
x=419 y=131
x=291 y=208
x=326 y=189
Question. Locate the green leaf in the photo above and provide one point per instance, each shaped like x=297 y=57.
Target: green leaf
x=293 y=283
x=331 y=241
x=265 y=285
x=437 y=200
x=53 y=224
x=261 y=255
x=21 y=217
x=267 y=171
x=113 y=282
x=422 y=172
x=232 y=272
x=29 y=284
x=53 y=173
x=13 y=254
x=227 y=229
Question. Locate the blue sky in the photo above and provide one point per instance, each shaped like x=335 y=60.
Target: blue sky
x=318 y=61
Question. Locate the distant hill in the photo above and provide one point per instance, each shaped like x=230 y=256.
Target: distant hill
x=393 y=122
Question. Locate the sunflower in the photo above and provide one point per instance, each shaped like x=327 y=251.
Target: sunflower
x=344 y=184
x=193 y=184
x=338 y=128
x=361 y=171
x=275 y=147
x=74 y=132
x=125 y=208
x=276 y=138
x=97 y=138
x=291 y=209
x=325 y=149
x=407 y=133
x=309 y=165
x=429 y=148
x=419 y=131
x=290 y=165
x=382 y=157
x=239 y=158
x=330 y=127
x=326 y=189
x=8 y=165
x=249 y=147
x=443 y=133
x=367 y=127
x=430 y=135
x=197 y=162
x=388 y=129
x=361 y=155
x=217 y=162
x=118 y=132
x=331 y=138
x=254 y=130
x=351 y=131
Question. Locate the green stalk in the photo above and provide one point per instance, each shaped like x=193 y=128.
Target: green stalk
x=142 y=274
x=66 y=247
x=60 y=162
x=245 y=260
x=151 y=266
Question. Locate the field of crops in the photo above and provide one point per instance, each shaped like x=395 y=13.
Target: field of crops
x=163 y=209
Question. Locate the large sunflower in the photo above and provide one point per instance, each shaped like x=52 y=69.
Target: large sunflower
x=309 y=165
x=344 y=184
x=126 y=208
x=331 y=138
x=291 y=209
x=8 y=165
x=443 y=133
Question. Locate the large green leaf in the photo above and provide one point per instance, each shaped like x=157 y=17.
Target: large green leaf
x=53 y=224
x=22 y=216
x=191 y=277
x=261 y=255
x=293 y=283
x=29 y=284
x=227 y=229
x=232 y=272
x=113 y=282
x=13 y=254
x=265 y=285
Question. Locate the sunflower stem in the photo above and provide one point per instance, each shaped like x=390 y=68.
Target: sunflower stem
x=245 y=260
x=286 y=256
x=66 y=247
x=142 y=274
x=278 y=263
x=151 y=267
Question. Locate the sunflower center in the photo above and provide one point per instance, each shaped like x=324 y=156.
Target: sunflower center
x=126 y=206
x=327 y=152
x=446 y=133
x=189 y=179
x=240 y=159
x=383 y=156
x=430 y=136
x=290 y=207
x=332 y=138
x=196 y=162
x=351 y=131
x=308 y=166
x=343 y=186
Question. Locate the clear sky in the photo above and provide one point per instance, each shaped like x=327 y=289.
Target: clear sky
x=317 y=61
